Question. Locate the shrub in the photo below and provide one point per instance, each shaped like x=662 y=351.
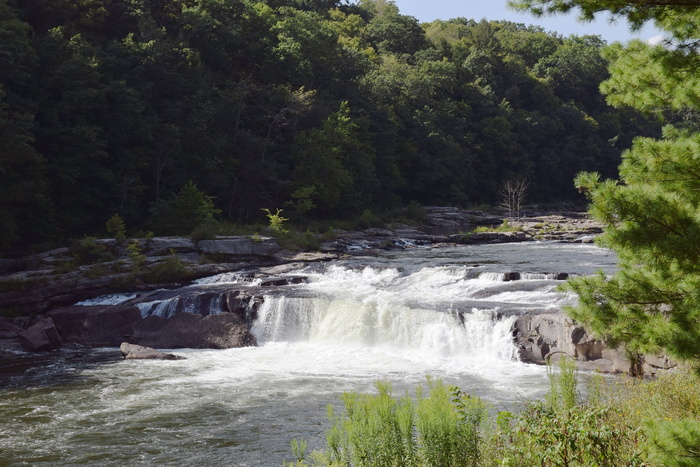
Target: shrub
x=88 y=251
x=138 y=259
x=632 y=424
x=565 y=430
x=182 y=213
x=276 y=221
x=442 y=429
x=116 y=227
x=171 y=269
x=416 y=213
x=206 y=231
x=297 y=241
x=368 y=219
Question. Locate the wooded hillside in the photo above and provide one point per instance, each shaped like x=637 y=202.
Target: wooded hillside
x=320 y=107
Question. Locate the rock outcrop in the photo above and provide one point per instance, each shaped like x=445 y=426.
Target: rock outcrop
x=40 y=336
x=544 y=336
x=240 y=246
x=95 y=326
x=139 y=352
x=186 y=330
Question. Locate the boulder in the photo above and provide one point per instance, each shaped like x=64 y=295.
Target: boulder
x=551 y=335
x=186 y=330
x=542 y=335
x=139 y=352
x=244 y=304
x=95 y=326
x=511 y=276
x=40 y=336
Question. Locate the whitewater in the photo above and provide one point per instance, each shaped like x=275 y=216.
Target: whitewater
x=399 y=317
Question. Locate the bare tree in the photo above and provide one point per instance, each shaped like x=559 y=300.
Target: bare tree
x=512 y=195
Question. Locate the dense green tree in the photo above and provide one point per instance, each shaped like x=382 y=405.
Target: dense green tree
x=575 y=70
x=113 y=106
x=335 y=163
x=183 y=212
x=652 y=215
x=24 y=205
x=391 y=32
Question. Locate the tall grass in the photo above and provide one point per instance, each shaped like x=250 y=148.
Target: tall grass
x=623 y=423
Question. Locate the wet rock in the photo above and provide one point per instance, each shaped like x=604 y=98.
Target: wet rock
x=185 y=330
x=312 y=257
x=139 y=352
x=244 y=304
x=281 y=281
x=511 y=276
x=95 y=326
x=40 y=336
x=491 y=237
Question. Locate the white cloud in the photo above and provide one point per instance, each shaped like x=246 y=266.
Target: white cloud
x=655 y=40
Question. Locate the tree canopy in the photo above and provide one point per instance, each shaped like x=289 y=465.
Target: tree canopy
x=334 y=107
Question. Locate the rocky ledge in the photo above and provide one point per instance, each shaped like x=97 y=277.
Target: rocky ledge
x=43 y=292
x=547 y=336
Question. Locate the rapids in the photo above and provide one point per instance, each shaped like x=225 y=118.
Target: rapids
x=399 y=316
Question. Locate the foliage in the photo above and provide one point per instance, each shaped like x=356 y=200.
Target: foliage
x=19 y=285
x=276 y=221
x=651 y=215
x=184 y=212
x=504 y=227
x=620 y=423
x=171 y=269
x=88 y=250
x=206 y=231
x=172 y=113
x=440 y=428
x=116 y=227
x=136 y=256
x=299 y=241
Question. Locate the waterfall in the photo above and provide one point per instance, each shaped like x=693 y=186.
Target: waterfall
x=377 y=323
x=196 y=303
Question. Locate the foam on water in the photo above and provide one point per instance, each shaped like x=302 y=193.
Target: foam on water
x=112 y=299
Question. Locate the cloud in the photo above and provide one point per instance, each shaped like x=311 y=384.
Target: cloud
x=655 y=40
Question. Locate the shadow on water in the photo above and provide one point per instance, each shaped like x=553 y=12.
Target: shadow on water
x=27 y=370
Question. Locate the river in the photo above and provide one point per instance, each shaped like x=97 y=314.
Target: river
x=396 y=316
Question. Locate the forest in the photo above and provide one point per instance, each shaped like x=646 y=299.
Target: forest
x=323 y=108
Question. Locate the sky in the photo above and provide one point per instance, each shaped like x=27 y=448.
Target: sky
x=429 y=10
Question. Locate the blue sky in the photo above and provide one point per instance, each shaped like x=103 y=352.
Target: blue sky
x=429 y=10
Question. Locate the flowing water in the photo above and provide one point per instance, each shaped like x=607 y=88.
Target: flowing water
x=398 y=317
